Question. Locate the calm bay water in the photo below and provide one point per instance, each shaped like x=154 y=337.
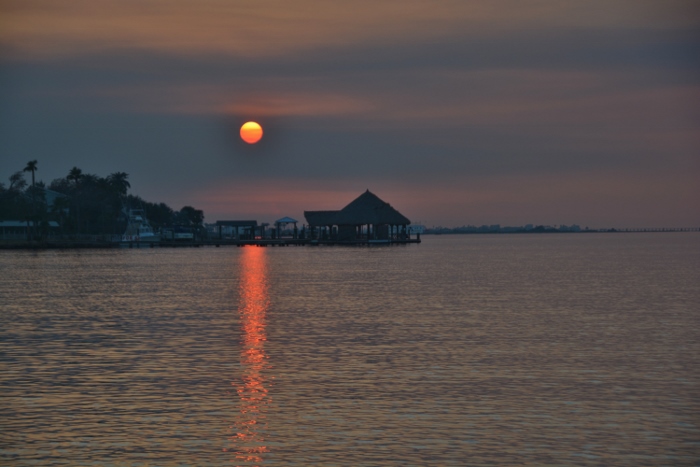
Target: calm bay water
x=464 y=350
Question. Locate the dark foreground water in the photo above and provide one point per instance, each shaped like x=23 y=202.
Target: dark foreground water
x=464 y=350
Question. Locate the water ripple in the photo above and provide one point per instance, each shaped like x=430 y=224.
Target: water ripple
x=472 y=350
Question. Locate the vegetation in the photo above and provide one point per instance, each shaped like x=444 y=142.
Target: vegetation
x=83 y=204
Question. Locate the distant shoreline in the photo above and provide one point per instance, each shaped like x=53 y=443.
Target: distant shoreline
x=457 y=231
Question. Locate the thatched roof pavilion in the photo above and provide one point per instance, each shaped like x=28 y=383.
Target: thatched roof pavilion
x=366 y=217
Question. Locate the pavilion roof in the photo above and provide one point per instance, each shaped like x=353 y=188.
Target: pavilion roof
x=321 y=217
x=367 y=208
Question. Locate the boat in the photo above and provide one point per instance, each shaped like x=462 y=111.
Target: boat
x=138 y=230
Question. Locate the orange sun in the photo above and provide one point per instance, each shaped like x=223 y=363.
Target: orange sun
x=251 y=132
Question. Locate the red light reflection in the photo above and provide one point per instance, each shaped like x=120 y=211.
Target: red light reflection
x=252 y=391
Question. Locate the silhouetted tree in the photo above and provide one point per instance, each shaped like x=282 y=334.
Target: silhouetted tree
x=92 y=204
x=75 y=175
x=190 y=216
x=62 y=185
x=13 y=202
x=17 y=181
x=59 y=212
x=31 y=167
x=118 y=181
x=159 y=215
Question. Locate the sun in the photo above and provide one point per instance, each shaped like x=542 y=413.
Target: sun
x=251 y=132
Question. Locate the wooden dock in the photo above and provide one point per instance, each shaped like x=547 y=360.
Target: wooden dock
x=266 y=242
x=280 y=242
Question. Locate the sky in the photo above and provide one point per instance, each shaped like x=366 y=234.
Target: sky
x=455 y=112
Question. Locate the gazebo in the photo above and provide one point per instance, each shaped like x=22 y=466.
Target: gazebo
x=365 y=218
x=282 y=223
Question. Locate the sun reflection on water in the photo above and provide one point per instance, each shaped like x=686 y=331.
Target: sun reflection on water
x=252 y=388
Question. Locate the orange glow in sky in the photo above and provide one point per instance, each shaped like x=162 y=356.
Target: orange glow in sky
x=251 y=132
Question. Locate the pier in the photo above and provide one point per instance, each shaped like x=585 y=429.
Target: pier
x=271 y=242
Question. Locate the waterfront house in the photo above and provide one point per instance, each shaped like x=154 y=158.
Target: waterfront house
x=22 y=230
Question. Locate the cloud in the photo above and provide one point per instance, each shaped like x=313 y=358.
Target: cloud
x=44 y=28
x=448 y=96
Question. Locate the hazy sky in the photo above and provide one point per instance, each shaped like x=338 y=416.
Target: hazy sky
x=455 y=112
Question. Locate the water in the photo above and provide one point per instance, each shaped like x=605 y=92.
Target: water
x=464 y=350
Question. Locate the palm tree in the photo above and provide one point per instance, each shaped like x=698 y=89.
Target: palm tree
x=31 y=167
x=75 y=174
x=119 y=186
x=118 y=182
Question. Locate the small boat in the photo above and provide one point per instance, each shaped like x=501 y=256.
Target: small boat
x=138 y=230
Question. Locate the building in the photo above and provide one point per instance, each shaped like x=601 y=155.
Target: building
x=239 y=230
x=366 y=218
x=22 y=230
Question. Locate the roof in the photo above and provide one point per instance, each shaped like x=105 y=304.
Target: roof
x=286 y=220
x=24 y=223
x=367 y=208
x=54 y=194
x=321 y=217
x=237 y=223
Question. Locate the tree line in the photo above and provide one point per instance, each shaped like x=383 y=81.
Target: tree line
x=83 y=203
